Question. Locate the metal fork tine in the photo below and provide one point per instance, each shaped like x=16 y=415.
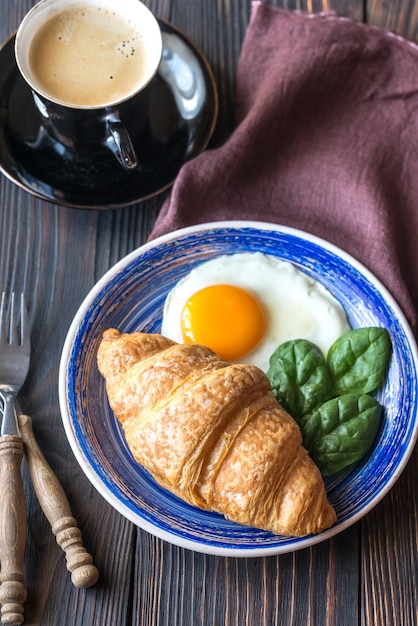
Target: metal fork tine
x=24 y=320
x=13 y=336
x=3 y=331
x=11 y=320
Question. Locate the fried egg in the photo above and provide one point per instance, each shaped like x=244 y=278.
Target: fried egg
x=243 y=306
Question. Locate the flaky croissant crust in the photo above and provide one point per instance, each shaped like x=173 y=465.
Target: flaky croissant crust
x=213 y=433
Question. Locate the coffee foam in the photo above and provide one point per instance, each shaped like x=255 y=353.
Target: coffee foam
x=89 y=56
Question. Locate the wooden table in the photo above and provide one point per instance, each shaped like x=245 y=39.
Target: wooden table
x=366 y=575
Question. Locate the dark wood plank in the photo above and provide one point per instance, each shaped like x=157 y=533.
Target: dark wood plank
x=390 y=555
x=346 y=8
x=314 y=586
x=400 y=17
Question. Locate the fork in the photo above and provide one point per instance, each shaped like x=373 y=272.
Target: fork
x=14 y=366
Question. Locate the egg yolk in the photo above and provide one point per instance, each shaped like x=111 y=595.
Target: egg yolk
x=224 y=318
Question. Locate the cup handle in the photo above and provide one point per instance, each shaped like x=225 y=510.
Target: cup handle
x=120 y=143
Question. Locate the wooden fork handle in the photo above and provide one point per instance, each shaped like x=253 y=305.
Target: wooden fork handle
x=12 y=530
x=57 y=509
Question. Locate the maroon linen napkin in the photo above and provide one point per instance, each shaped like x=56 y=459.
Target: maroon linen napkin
x=325 y=140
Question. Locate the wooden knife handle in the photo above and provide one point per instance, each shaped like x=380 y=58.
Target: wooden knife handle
x=12 y=530
x=57 y=509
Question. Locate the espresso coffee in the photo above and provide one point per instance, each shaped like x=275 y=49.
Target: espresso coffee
x=89 y=56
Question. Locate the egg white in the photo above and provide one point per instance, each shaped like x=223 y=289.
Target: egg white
x=295 y=305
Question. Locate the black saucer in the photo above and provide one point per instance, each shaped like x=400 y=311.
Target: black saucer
x=181 y=115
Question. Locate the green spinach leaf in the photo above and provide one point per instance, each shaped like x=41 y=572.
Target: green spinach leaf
x=299 y=376
x=341 y=431
x=358 y=360
x=329 y=398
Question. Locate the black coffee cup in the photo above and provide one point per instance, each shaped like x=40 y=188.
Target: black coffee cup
x=88 y=64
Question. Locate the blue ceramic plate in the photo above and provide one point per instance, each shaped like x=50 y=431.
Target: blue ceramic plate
x=131 y=297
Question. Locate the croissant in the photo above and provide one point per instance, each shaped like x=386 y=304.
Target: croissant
x=213 y=433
